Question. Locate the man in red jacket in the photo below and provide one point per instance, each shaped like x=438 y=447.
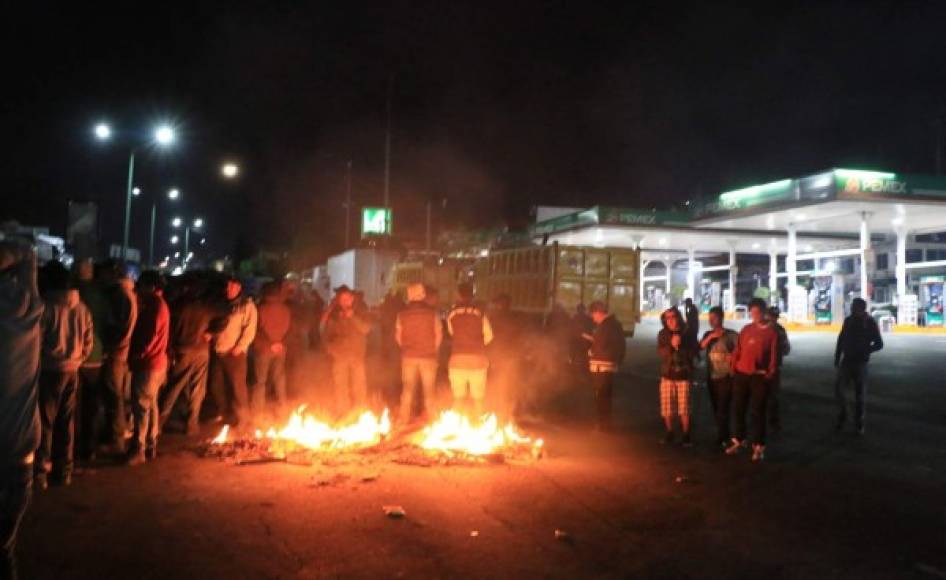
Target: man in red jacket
x=755 y=362
x=148 y=361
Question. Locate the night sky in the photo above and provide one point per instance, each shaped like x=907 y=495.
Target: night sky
x=495 y=106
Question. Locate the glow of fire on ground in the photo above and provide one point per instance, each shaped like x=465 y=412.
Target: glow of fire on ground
x=451 y=434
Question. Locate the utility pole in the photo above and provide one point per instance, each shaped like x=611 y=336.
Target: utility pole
x=348 y=207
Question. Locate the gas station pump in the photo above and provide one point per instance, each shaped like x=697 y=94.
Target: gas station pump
x=931 y=299
x=821 y=294
x=709 y=295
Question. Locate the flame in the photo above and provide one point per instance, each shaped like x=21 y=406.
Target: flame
x=221 y=437
x=453 y=432
x=308 y=431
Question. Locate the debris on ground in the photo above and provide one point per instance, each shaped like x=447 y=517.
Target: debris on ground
x=474 y=533
x=337 y=479
x=395 y=512
x=682 y=479
x=370 y=477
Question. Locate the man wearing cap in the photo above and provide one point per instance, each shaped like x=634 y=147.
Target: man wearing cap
x=230 y=348
x=604 y=358
x=345 y=331
x=418 y=332
x=471 y=332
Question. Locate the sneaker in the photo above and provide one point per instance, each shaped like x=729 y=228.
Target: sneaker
x=735 y=446
x=758 y=452
x=136 y=459
x=686 y=442
x=668 y=438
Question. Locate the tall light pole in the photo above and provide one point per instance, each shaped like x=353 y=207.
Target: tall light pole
x=196 y=224
x=173 y=194
x=163 y=136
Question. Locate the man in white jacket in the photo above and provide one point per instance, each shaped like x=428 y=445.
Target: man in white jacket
x=230 y=348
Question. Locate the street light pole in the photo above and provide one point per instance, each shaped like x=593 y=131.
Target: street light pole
x=187 y=245
x=131 y=178
x=154 y=218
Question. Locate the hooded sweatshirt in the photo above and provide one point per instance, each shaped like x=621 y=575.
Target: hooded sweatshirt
x=67 y=332
x=20 y=311
x=274 y=321
x=676 y=364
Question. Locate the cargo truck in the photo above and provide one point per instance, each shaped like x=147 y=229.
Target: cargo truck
x=537 y=278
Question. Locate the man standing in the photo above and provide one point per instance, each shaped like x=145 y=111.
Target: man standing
x=148 y=361
x=755 y=362
x=784 y=347
x=269 y=349
x=345 y=335
x=90 y=373
x=719 y=343
x=677 y=351
x=67 y=342
x=191 y=334
x=859 y=338
x=20 y=311
x=417 y=330
x=505 y=351
x=230 y=348
x=116 y=338
x=471 y=332
x=604 y=359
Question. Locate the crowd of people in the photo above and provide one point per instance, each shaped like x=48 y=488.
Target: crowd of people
x=94 y=363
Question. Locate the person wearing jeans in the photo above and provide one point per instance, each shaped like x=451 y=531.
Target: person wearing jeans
x=230 y=348
x=116 y=338
x=719 y=343
x=755 y=362
x=859 y=338
x=418 y=332
x=148 y=361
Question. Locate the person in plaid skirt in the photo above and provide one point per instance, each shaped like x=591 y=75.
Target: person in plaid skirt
x=677 y=351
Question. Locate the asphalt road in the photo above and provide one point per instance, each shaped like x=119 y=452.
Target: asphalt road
x=823 y=504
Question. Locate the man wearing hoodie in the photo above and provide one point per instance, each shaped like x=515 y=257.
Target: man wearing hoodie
x=677 y=349
x=148 y=361
x=67 y=343
x=605 y=356
x=230 y=351
x=20 y=312
x=269 y=349
x=116 y=338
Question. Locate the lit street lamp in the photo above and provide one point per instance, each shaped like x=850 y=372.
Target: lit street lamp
x=230 y=170
x=163 y=136
x=174 y=240
x=173 y=195
x=196 y=224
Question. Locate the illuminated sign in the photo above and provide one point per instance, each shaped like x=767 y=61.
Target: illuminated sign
x=857 y=181
x=375 y=221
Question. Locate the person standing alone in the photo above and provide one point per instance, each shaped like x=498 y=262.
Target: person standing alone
x=859 y=338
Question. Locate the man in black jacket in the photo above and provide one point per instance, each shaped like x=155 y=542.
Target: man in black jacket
x=605 y=357
x=677 y=350
x=859 y=337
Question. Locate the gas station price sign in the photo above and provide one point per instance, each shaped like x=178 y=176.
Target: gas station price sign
x=375 y=221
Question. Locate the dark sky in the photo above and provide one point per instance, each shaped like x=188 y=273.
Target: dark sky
x=496 y=106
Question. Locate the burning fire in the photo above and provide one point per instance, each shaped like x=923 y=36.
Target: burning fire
x=454 y=433
x=307 y=431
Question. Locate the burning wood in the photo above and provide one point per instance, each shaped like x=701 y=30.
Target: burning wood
x=453 y=439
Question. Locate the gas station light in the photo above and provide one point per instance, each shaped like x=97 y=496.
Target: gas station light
x=755 y=190
x=864 y=174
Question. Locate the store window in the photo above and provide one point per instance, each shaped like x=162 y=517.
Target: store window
x=882 y=262
x=914 y=256
x=935 y=254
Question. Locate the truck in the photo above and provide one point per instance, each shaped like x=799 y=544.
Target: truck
x=539 y=278
x=440 y=274
x=363 y=269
